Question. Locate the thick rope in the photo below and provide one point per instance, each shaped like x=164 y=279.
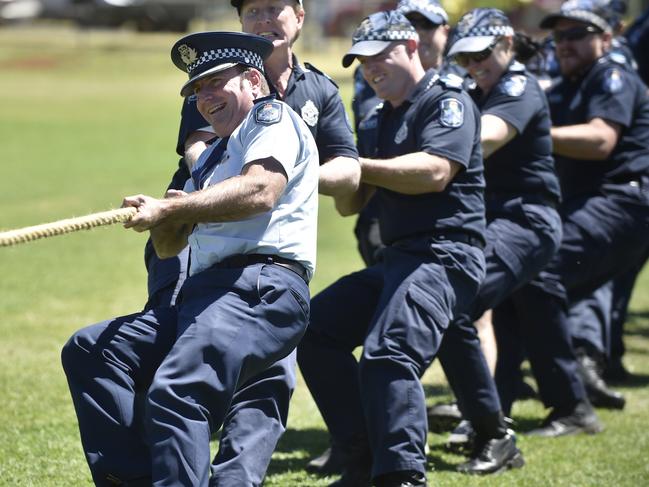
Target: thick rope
x=60 y=227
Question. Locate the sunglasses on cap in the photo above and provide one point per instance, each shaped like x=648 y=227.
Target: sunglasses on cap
x=464 y=58
x=574 y=34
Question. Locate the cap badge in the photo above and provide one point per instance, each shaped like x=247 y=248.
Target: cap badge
x=188 y=55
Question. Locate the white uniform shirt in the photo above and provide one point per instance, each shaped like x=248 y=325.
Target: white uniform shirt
x=271 y=129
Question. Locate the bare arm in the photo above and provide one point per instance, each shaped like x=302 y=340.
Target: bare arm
x=594 y=140
x=195 y=144
x=255 y=191
x=415 y=173
x=351 y=203
x=494 y=134
x=340 y=175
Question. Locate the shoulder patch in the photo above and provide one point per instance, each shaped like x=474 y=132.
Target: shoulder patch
x=515 y=85
x=613 y=81
x=268 y=113
x=451 y=112
x=453 y=81
x=401 y=134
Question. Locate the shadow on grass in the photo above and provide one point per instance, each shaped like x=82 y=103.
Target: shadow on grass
x=298 y=447
x=635 y=381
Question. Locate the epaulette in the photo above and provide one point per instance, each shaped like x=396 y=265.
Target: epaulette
x=452 y=81
x=311 y=67
x=517 y=67
x=617 y=58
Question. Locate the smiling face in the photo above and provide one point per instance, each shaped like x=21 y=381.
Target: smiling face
x=279 y=21
x=577 y=48
x=389 y=73
x=487 y=71
x=225 y=98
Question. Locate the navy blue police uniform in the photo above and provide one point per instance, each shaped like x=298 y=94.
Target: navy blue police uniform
x=637 y=36
x=523 y=233
x=605 y=211
x=399 y=308
x=365 y=107
x=188 y=362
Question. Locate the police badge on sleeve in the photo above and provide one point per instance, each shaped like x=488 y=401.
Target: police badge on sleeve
x=268 y=113
x=452 y=113
x=515 y=85
x=613 y=82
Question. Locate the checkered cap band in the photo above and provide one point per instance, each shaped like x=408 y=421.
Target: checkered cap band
x=385 y=26
x=424 y=7
x=586 y=16
x=491 y=30
x=226 y=55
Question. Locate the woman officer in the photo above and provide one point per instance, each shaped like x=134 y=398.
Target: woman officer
x=524 y=227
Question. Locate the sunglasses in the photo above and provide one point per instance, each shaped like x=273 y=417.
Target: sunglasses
x=464 y=58
x=574 y=34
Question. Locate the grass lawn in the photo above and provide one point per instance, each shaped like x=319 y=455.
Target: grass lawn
x=89 y=117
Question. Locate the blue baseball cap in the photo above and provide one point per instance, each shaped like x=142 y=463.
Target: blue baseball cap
x=377 y=32
x=205 y=53
x=431 y=9
x=478 y=29
x=586 y=11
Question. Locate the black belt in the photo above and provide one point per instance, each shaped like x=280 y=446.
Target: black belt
x=462 y=237
x=244 y=260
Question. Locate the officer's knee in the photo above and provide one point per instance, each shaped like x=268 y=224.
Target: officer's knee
x=76 y=353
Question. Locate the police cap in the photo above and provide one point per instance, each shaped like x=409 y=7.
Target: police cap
x=377 y=32
x=586 y=11
x=205 y=53
x=478 y=29
x=431 y=9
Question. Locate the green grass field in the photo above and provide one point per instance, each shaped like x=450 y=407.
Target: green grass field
x=89 y=117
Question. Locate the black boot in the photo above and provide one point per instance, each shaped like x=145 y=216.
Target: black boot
x=493 y=455
x=443 y=417
x=598 y=392
x=404 y=478
x=580 y=418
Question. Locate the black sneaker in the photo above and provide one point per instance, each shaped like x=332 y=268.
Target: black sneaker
x=582 y=419
x=598 y=392
x=443 y=417
x=405 y=478
x=493 y=456
x=330 y=462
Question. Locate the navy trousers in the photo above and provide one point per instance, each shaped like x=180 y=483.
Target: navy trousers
x=398 y=311
x=521 y=239
x=151 y=388
x=603 y=236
